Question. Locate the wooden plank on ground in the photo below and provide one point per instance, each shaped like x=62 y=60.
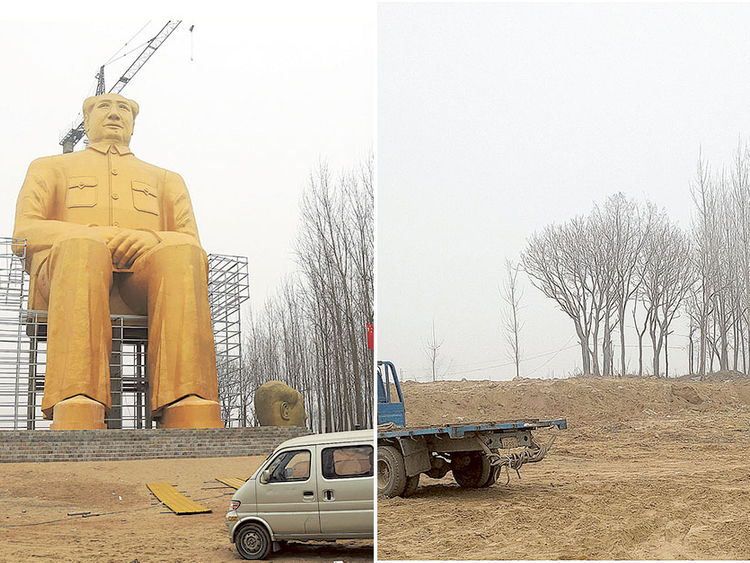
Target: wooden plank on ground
x=234 y=482
x=175 y=500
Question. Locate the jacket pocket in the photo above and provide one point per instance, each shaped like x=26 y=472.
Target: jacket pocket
x=145 y=198
x=82 y=191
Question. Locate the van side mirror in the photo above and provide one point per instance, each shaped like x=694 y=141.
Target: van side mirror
x=265 y=477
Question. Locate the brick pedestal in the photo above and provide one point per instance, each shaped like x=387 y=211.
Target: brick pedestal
x=120 y=445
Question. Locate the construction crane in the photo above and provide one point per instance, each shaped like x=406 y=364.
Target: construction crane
x=76 y=133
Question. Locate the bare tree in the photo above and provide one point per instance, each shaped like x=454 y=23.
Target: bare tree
x=706 y=242
x=511 y=294
x=639 y=297
x=432 y=351
x=622 y=226
x=666 y=283
x=740 y=206
x=557 y=260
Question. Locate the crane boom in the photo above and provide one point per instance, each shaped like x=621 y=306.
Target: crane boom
x=76 y=133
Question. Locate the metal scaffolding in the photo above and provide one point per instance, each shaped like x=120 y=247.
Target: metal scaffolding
x=228 y=288
x=23 y=345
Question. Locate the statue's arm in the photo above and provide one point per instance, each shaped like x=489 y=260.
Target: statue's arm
x=34 y=209
x=180 y=217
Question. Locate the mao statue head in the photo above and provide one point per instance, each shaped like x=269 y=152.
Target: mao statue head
x=277 y=404
x=109 y=117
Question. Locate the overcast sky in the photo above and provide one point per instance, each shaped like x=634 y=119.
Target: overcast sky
x=495 y=120
x=244 y=107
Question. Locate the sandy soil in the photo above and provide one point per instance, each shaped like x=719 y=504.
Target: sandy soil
x=648 y=469
x=36 y=498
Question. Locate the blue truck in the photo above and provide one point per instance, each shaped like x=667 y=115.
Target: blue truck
x=476 y=453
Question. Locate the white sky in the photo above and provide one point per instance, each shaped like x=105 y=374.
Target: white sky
x=495 y=120
x=272 y=89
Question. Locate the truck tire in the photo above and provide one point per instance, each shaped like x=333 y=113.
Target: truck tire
x=470 y=469
x=391 y=472
x=494 y=476
x=411 y=485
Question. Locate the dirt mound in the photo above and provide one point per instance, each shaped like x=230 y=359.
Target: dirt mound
x=578 y=399
x=722 y=376
x=648 y=469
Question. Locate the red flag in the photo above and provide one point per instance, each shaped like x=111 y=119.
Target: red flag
x=370 y=337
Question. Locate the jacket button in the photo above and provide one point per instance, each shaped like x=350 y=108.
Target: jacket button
x=114 y=172
x=115 y=196
x=81 y=184
x=116 y=224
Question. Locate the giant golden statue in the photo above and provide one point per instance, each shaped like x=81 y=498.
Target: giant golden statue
x=105 y=232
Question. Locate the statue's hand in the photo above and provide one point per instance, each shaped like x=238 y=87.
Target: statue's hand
x=129 y=245
x=104 y=234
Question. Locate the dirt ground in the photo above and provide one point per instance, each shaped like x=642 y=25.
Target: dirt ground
x=648 y=469
x=35 y=499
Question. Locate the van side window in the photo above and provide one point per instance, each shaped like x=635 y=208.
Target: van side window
x=290 y=466
x=347 y=461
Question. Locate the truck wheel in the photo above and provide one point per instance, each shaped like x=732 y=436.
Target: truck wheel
x=253 y=541
x=494 y=476
x=470 y=469
x=391 y=472
x=411 y=485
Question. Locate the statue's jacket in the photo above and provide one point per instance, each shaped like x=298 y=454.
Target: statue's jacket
x=105 y=184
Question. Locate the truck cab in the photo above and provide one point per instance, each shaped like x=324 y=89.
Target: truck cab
x=390 y=407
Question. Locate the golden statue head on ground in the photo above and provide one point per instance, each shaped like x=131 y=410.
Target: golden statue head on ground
x=109 y=117
x=277 y=404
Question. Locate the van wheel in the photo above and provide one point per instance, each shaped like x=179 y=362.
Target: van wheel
x=253 y=541
x=391 y=472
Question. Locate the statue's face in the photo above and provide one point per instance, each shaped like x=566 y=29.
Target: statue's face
x=294 y=416
x=111 y=119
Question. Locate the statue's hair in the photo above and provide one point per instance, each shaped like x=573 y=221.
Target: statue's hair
x=88 y=104
x=270 y=393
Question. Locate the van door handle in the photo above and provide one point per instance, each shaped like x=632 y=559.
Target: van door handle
x=328 y=494
x=308 y=494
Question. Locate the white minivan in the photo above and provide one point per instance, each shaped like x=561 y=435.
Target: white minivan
x=317 y=487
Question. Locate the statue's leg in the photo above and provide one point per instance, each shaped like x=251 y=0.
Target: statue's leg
x=170 y=282
x=76 y=281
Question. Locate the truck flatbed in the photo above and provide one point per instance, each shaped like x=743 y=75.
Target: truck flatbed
x=459 y=430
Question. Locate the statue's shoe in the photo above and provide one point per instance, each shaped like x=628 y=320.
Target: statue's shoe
x=78 y=413
x=191 y=412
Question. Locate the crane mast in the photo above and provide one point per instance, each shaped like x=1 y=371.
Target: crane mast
x=76 y=133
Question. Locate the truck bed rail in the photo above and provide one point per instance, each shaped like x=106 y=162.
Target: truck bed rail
x=459 y=430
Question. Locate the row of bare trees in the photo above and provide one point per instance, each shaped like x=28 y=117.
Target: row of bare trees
x=312 y=333
x=718 y=308
x=623 y=260
x=626 y=264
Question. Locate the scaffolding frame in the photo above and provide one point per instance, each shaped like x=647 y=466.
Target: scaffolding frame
x=23 y=345
x=228 y=288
